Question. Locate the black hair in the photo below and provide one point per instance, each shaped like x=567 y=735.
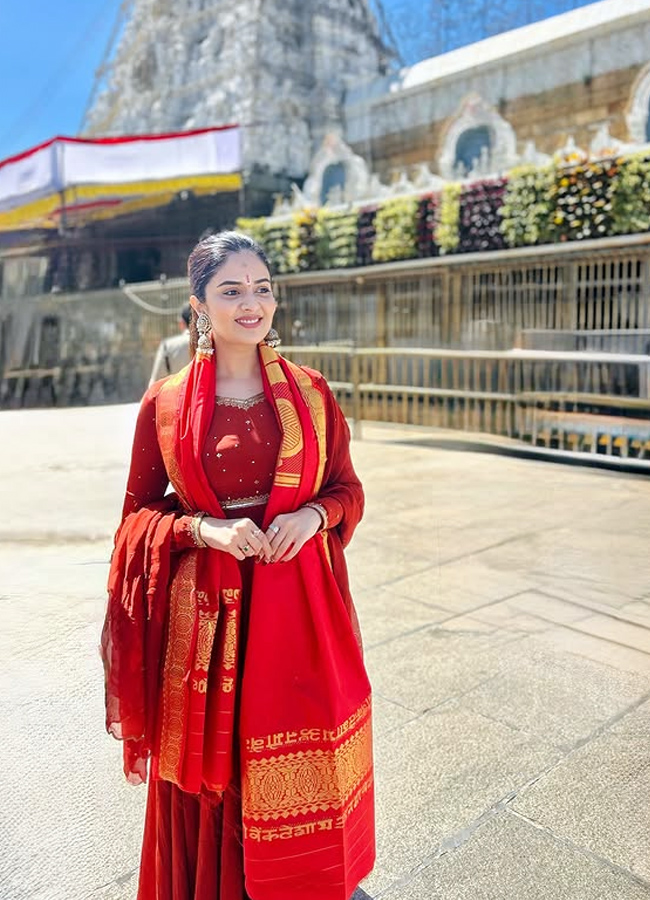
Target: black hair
x=185 y=313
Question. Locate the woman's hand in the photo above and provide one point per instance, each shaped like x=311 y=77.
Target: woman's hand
x=289 y=532
x=239 y=537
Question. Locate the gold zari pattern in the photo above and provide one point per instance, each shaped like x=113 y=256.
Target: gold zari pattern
x=303 y=829
x=230 y=641
x=205 y=640
x=177 y=660
x=284 y=739
x=295 y=784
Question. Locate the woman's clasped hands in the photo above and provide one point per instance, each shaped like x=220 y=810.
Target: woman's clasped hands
x=284 y=538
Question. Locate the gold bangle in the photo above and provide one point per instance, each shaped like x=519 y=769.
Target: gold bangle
x=321 y=511
x=195 y=524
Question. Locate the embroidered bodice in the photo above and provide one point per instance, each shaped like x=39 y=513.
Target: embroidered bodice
x=240 y=452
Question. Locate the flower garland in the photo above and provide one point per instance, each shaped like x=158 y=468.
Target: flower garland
x=526 y=212
x=480 y=220
x=581 y=199
x=335 y=234
x=631 y=196
x=396 y=230
x=448 y=218
x=301 y=242
x=366 y=235
x=426 y=225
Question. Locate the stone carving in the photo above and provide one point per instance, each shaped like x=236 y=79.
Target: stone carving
x=475 y=113
x=375 y=190
x=425 y=180
x=604 y=144
x=481 y=168
x=401 y=184
x=570 y=153
x=638 y=113
x=533 y=156
x=336 y=154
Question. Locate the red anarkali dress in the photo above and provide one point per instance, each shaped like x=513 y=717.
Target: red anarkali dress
x=192 y=848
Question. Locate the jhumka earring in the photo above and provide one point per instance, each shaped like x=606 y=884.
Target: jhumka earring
x=204 y=349
x=272 y=339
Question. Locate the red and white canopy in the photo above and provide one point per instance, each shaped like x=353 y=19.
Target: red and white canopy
x=109 y=176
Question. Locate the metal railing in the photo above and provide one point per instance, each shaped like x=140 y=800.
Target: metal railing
x=476 y=300
x=585 y=402
x=612 y=340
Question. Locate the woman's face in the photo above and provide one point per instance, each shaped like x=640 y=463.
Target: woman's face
x=239 y=300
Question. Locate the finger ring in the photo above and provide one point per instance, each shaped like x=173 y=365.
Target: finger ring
x=245 y=548
x=274 y=528
x=257 y=531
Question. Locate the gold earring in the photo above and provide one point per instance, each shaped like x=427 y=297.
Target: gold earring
x=272 y=339
x=204 y=348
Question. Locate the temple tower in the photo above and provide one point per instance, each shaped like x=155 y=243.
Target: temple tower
x=280 y=68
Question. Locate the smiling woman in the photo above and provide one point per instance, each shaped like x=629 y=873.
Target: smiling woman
x=254 y=709
x=238 y=299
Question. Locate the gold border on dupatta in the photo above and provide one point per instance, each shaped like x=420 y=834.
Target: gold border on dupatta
x=182 y=616
x=289 y=417
x=298 y=783
x=316 y=406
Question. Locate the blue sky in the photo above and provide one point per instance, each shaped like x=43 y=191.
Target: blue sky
x=49 y=51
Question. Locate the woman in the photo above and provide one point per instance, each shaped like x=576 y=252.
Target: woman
x=231 y=652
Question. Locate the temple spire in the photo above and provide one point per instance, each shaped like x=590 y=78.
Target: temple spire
x=280 y=68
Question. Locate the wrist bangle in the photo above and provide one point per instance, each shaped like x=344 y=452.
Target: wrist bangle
x=195 y=524
x=322 y=512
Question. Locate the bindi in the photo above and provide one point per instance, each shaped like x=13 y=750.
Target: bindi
x=248 y=279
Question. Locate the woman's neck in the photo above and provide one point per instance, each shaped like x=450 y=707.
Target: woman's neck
x=238 y=369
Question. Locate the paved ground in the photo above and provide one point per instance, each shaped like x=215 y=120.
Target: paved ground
x=506 y=608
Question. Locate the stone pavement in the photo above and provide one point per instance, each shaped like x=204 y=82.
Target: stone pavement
x=505 y=604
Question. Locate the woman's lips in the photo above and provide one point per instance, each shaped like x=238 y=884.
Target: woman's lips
x=249 y=322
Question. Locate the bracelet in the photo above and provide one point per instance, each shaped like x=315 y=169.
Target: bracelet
x=320 y=509
x=195 y=524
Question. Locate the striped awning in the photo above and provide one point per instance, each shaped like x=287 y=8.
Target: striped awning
x=72 y=181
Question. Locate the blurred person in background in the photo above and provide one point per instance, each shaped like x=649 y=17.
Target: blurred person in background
x=173 y=353
x=231 y=648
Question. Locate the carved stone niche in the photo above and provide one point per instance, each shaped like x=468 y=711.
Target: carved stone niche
x=638 y=112
x=336 y=175
x=477 y=142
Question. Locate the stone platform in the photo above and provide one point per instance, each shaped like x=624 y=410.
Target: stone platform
x=505 y=605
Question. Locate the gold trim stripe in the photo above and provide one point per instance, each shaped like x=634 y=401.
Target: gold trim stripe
x=296 y=784
x=182 y=615
x=304 y=829
x=316 y=405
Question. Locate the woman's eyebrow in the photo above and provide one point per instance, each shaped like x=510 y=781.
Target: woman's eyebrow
x=258 y=281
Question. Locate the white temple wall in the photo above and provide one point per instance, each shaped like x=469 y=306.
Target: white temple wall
x=386 y=108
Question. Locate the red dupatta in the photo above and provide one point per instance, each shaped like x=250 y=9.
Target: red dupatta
x=304 y=720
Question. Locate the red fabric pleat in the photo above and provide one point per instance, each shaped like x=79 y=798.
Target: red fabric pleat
x=192 y=846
